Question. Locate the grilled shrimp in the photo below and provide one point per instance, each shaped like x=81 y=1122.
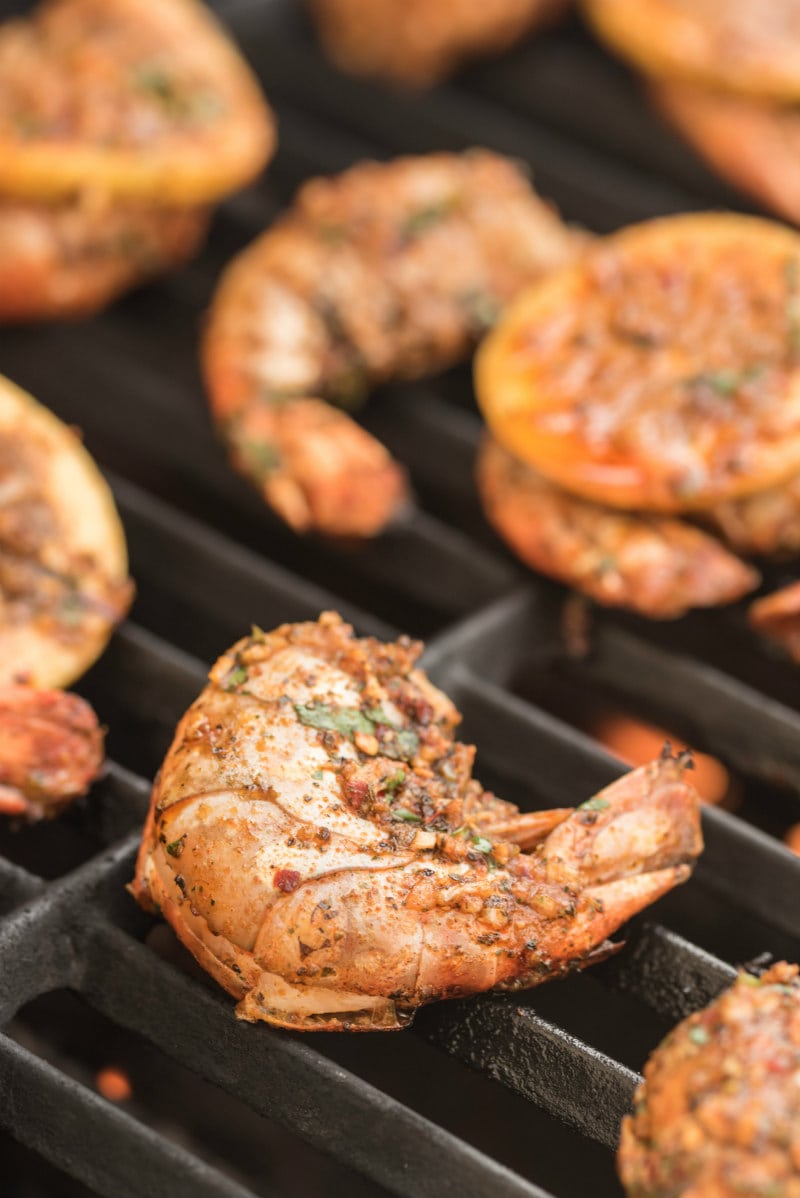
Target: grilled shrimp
x=73 y=257
x=718 y=1113
x=51 y=749
x=134 y=98
x=753 y=143
x=736 y=45
x=317 y=841
x=653 y=564
x=778 y=617
x=766 y=524
x=386 y=271
x=416 y=42
x=661 y=371
x=63 y=563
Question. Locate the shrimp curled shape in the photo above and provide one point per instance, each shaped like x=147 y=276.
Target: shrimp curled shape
x=317 y=841
x=51 y=749
x=387 y=271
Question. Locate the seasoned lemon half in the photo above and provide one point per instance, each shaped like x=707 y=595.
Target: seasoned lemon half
x=659 y=372
x=63 y=562
x=143 y=98
x=748 y=46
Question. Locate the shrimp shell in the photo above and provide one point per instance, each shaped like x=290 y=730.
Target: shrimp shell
x=387 y=271
x=317 y=841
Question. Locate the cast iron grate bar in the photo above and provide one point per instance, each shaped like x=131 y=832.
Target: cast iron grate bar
x=592 y=1093
x=104 y=1147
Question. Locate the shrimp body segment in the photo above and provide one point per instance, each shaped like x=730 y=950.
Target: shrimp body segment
x=51 y=748
x=653 y=564
x=778 y=617
x=63 y=561
x=753 y=143
x=388 y=271
x=415 y=42
x=73 y=257
x=317 y=841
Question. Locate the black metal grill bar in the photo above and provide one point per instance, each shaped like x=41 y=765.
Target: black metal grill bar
x=538 y=82
x=420 y=562
x=555 y=762
x=107 y=1148
x=286 y=1079
x=300 y=77
x=586 y=1081
x=16 y=885
x=751 y=731
x=180 y=561
x=593 y=1091
x=103 y=1146
x=558 y=760
x=666 y=972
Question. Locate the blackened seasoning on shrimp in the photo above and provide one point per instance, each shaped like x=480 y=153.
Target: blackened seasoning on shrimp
x=388 y=271
x=339 y=866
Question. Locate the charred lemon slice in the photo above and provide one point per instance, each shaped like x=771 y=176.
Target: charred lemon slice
x=63 y=562
x=661 y=372
x=739 y=45
x=134 y=97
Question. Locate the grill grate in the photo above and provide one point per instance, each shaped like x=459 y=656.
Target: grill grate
x=556 y=1067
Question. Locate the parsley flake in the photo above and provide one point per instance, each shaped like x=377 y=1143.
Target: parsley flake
x=407 y=817
x=596 y=804
x=237 y=676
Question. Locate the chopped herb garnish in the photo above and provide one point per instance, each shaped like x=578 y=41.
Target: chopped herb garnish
x=377 y=715
x=257 y=634
x=349 y=387
x=395 y=782
x=27 y=125
x=596 y=804
x=237 y=676
x=332 y=234
x=482 y=844
x=408 y=817
x=317 y=775
x=175 y=848
x=400 y=745
x=425 y=218
x=699 y=1036
x=71 y=609
x=726 y=382
x=259 y=458
x=482 y=309
x=181 y=103
x=607 y=565
x=345 y=720
x=157 y=83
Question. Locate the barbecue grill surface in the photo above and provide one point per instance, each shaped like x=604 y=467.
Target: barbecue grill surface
x=503 y=1095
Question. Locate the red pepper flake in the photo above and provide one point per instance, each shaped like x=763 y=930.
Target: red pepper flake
x=356 y=792
x=286 y=880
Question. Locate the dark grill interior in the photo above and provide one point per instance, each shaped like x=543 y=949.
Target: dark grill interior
x=516 y=1095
